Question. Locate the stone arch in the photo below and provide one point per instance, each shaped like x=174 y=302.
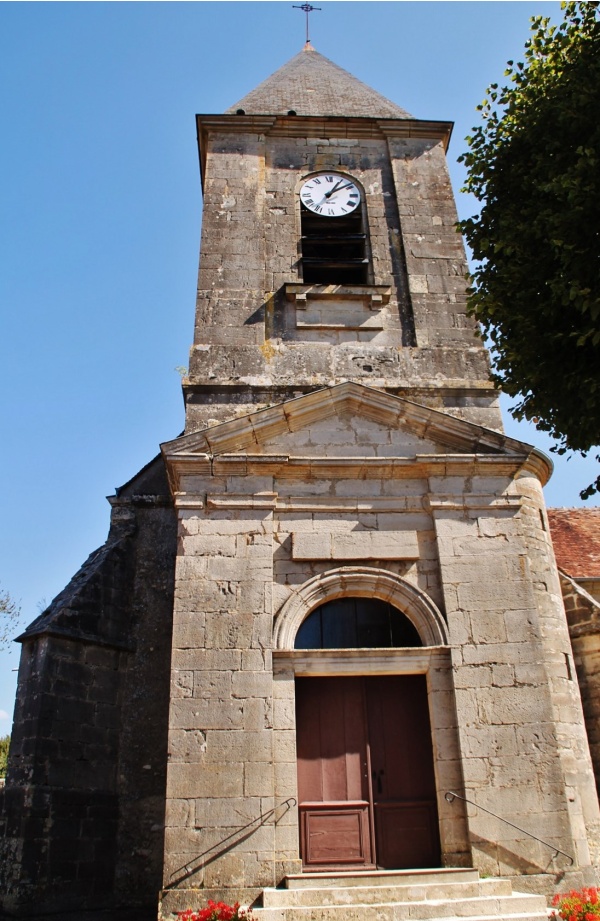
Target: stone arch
x=360 y=582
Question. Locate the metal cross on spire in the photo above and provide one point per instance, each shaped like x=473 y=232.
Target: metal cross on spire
x=307 y=8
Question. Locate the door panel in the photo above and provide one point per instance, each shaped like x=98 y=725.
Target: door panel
x=366 y=784
x=400 y=737
x=333 y=789
x=404 y=796
x=336 y=836
x=407 y=835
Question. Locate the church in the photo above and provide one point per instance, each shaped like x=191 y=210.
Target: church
x=326 y=660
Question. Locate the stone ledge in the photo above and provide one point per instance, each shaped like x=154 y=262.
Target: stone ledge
x=400 y=661
x=373 y=296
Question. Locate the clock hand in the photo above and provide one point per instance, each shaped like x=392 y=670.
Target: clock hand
x=338 y=187
x=328 y=195
x=341 y=188
x=334 y=189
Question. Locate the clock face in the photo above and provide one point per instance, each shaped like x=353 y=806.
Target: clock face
x=330 y=195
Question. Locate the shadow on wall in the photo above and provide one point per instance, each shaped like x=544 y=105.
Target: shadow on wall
x=520 y=865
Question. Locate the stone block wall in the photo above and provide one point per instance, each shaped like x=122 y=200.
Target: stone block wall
x=523 y=747
x=60 y=809
x=83 y=808
x=220 y=775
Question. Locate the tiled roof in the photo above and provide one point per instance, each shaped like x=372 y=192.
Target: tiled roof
x=576 y=538
x=311 y=84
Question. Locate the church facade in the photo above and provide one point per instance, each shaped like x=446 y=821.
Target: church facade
x=327 y=632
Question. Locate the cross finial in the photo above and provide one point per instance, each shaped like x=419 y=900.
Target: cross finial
x=307 y=8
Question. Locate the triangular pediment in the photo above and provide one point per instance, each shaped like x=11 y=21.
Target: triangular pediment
x=347 y=419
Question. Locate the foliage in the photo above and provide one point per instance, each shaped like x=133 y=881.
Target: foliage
x=582 y=905
x=534 y=163
x=216 y=911
x=9 y=617
x=4 y=745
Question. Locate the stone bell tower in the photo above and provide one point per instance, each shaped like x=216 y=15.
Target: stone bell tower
x=367 y=610
x=292 y=299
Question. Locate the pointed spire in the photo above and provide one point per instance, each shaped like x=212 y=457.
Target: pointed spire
x=311 y=84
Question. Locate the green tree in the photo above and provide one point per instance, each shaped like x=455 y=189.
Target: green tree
x=9 y=618
x=4 y=745
x=534 y=164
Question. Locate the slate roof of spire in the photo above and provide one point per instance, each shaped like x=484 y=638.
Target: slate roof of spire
x=311 y=84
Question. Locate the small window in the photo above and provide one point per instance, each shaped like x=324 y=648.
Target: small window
x=356 y=623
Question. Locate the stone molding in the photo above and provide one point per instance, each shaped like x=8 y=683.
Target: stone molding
x=359 y=468
x=474 y=503
x=349 y=505
x=359 y=582
x=322 y=504
x=329 y=662
x=373 y=296
x=323 y=126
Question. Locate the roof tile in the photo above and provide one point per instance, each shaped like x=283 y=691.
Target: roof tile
x=576 y=538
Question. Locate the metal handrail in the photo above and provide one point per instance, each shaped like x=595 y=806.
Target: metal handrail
x=450 y=796
x=188 y=869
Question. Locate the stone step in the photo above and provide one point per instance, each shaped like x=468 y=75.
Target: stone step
x=505 y=916
x=516 y=906
x=380 y=877
x=380 y=894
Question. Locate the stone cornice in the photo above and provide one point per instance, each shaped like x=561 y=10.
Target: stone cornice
x=319 y=126
x=324 y=126
x=266 y=465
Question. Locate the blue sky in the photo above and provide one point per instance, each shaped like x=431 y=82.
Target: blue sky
x=100 y=222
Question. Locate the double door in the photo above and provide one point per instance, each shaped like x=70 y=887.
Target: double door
x=366 y=787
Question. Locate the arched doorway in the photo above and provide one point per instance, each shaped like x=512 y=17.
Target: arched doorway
x=366 y=782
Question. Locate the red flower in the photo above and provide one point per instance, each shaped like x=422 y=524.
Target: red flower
x=217 y=911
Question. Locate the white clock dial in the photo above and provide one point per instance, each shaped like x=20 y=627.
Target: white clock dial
x=330 y=195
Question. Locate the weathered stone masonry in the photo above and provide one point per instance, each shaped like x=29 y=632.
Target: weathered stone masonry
x=84 y=801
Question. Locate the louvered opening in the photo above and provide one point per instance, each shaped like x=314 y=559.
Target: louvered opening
x=334 y=249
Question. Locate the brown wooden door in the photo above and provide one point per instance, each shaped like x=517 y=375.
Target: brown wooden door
x=403 y=781
x=333 y=786
x=366 y=786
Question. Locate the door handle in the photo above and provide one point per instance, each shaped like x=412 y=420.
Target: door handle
x=376 y=778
